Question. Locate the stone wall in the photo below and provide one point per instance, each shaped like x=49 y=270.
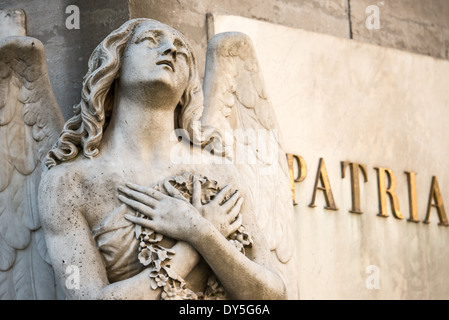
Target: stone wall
x=420 y=26
x=67 y=50
x=330 y=17
x=344 y=101
x=414 y=25
x=417 y=26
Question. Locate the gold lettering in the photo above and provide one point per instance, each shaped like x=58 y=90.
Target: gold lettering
x=323 y=177
x=412 y=199
x=383 y=191
x=435 y=195
x=302 y=172
x=354 y=169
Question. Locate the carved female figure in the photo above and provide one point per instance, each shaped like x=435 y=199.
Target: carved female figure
x=141 y=85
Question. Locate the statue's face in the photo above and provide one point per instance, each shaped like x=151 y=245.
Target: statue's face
x=156 y=56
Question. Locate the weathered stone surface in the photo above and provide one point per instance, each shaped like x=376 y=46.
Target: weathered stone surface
x=412 y=25
x=190 y=16
x=30 y=122
x=12 y=23
x=339 y=88
x=344 y=100
x=67 y=50
x=159 y=216
x=417 y=26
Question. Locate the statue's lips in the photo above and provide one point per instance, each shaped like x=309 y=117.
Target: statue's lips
x=166 y=63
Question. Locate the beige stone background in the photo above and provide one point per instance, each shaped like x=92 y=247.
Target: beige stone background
x=343 y=100
x=420 y=26
x=412 y=257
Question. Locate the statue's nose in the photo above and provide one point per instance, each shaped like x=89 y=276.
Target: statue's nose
x=169 y=49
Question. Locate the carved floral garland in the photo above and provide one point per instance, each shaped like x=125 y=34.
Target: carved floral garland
x=157 y=257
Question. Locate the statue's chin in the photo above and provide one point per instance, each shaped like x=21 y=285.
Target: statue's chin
x=161 y=87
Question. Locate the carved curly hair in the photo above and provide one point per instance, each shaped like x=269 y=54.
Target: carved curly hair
x=84 y=130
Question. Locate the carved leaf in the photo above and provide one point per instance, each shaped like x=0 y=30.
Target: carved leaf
x=170 y=273
x=153 y=284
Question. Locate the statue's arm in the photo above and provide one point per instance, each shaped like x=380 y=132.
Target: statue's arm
x=249 y=276
x=70 y=243
x=138 y=287
x=243 y=277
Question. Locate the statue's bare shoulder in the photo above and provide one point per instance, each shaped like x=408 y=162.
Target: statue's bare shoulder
x=62 y=193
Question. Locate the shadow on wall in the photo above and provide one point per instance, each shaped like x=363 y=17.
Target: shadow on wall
x=68 y=50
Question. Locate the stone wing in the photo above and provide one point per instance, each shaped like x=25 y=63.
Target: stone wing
x=236 y=102
x=30 y=121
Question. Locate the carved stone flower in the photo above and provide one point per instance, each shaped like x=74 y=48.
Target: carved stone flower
x=161 y=280
x=214 y=290
x=145 y=257
x=162 y=253
x=153 y=255
x=172 y=292
x=242 y=236
x=151 y=236
x=238 y=245
x=188 y=294
x=158 y=279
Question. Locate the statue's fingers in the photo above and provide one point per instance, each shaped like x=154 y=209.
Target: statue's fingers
x=196 y=194
x=173 y=191
x=140 y=221
x=141 y=197
x=122 y=209
x=140 y=207
x=236 y=224
x=235 y=210
x=231 y=201
x=148 y=191
x=222 y=194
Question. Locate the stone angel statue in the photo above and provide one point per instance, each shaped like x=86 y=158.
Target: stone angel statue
x=159 y=187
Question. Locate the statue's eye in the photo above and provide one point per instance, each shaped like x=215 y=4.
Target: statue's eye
x=183 y=53
x=150 y=40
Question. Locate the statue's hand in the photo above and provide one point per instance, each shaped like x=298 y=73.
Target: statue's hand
x=173 y=216
x=168 y=215
x=223 y=214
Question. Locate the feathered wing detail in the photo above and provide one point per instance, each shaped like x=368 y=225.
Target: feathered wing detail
x=30 y=122
x=236 y=101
